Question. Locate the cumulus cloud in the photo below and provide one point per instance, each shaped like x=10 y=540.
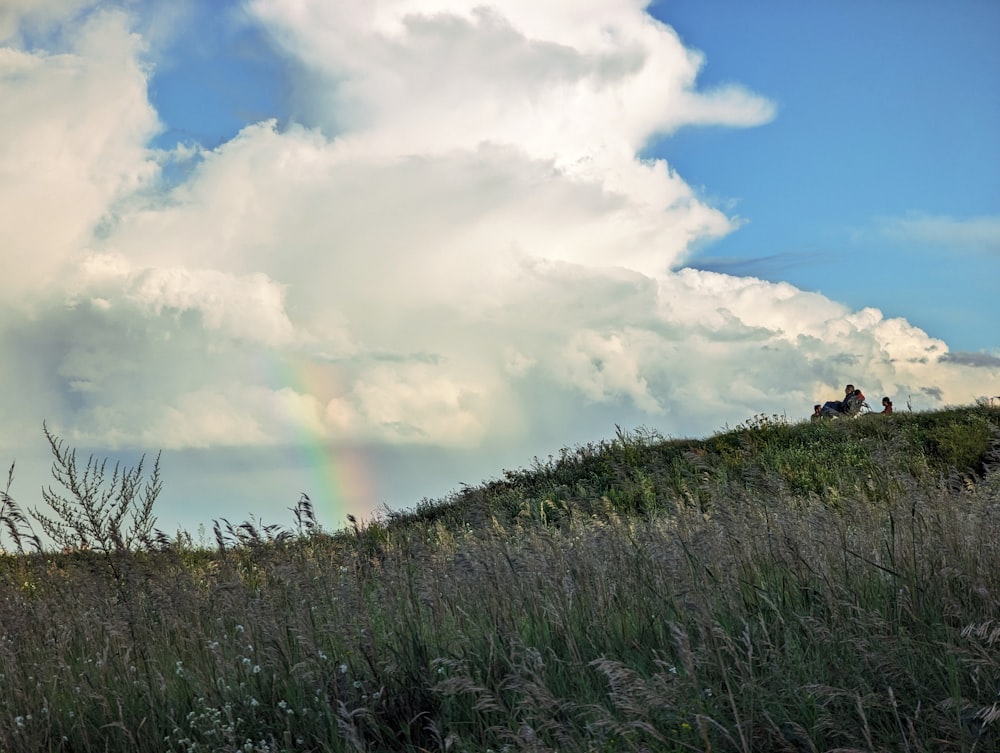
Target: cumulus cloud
x=249 y=308
x=589 y=82
x=73 y=130
x=456 y=243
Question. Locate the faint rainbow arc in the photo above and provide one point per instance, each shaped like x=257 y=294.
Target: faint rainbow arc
x=340 y=471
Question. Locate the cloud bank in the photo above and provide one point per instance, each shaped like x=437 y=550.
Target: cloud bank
x=453 y=243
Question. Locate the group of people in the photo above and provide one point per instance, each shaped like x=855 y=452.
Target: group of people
x=851 y=404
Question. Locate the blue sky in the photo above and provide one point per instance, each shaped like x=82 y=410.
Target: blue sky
x=212 y=82
x=373 y=252
x=887 y=113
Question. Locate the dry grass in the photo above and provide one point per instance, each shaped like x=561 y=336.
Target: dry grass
x=737 y=617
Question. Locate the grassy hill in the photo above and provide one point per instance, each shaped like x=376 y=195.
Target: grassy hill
x=816 y=586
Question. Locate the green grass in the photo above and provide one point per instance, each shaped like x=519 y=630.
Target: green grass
x=777 y=587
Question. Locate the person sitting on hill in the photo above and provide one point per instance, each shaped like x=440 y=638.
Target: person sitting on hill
x=886 y=406
x=852 y=403
x=849 y=406
x=833 y=407
x=817 y=412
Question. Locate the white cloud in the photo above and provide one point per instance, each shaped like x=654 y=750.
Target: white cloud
x=602 y=366
x=247 y=308
x=73 y=128
x=422 y=404
x=460 y=246
x=587 y=85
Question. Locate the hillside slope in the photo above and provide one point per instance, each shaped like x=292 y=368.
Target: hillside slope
x=643 y=472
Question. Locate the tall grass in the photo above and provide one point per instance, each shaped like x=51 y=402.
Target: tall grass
x=643 y=594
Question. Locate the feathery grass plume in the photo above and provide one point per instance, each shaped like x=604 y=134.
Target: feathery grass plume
x=14 y=521
x=305 y=516
x=255 y=536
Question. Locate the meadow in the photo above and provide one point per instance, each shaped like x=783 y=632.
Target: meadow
x=795 y=587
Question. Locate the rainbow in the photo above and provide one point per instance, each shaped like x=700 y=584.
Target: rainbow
x=343 y=483
x=338 y=472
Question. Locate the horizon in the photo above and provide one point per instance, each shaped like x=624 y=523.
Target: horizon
x=373 y=254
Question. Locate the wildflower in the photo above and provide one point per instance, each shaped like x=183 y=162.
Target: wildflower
x=343 y=669
x=239 y=628
x=256 y=669
x=19 y=721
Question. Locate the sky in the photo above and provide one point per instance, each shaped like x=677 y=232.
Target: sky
x=376 y=252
